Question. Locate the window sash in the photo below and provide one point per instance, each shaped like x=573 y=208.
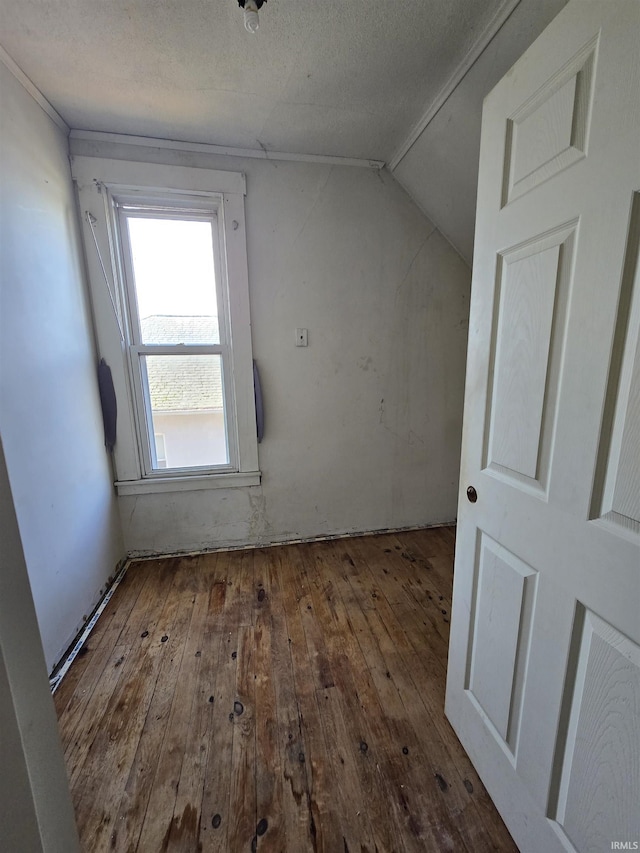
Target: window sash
x=146 y=208
x=144 y=412
x=179 y=349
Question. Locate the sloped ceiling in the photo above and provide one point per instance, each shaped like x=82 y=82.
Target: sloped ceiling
x=339 y=77
x=440 y=171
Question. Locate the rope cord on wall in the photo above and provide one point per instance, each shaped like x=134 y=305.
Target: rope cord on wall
x=91 y=220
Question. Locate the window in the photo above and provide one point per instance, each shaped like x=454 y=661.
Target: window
x=180 y=347
x=179 y=344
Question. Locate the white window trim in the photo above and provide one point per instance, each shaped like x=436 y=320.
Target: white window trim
x=191 y=483
x=98 y=180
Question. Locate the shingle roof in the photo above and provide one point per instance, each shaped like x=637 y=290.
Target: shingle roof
x=183 y=382
x=175 y=329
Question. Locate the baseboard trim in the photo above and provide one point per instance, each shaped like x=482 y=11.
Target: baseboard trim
x=62 y=667
x=252 y=546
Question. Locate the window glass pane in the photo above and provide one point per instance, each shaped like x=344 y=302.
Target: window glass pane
x=174 y=280
x=187 y=410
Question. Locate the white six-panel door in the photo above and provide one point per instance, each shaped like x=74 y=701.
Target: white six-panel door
x=544 y=668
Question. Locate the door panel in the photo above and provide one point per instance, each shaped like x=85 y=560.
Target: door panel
x=619 y=453
x=550 y=131
x=502 y=612
x=533 y=284
x=597 y=777
x=543 y=669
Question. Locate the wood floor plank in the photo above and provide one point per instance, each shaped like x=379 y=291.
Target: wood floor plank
x=366 y=733
x=76 y=689
x=106 y=631
x=240 y=580
x=242 y=787
x=166 y=824
x=279 y=699
x=277 y=802
x=115 y=745
x=350 y=801
x=318 y=657
x=438 y=565
x=185 y=829
x=268 y=769
x=307 y=786
x=308 y=747
x=216 y=808
x=439 y=803
x=84 y=718
x=375 y=690
x=403 y=590
x=453 y=767
x=425 y=804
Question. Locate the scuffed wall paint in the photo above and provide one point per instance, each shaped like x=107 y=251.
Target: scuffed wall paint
x=362 y=427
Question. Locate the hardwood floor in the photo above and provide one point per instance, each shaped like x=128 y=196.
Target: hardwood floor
x=282 y=699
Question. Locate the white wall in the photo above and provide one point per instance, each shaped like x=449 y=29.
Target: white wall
x=50 y=419
x=196 y=438
x=363 y=426
x=440 y=171
x=35 y=807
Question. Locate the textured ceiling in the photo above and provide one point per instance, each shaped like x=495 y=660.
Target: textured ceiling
x=339 y=77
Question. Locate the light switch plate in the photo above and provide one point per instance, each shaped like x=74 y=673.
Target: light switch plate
x=301 y=338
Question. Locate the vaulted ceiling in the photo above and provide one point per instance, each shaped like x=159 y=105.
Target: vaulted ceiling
x=338 y=77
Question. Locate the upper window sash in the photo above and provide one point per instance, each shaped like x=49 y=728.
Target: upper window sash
x=126 y=207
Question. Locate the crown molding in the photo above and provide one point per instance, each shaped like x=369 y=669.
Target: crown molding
x=33 y=90
x=205 y=148
x=483 y=40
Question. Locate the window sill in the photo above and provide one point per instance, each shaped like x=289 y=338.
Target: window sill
x=187 y=484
